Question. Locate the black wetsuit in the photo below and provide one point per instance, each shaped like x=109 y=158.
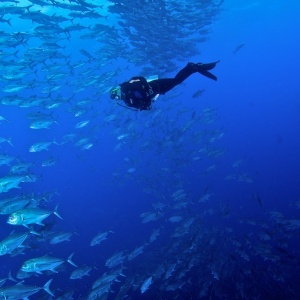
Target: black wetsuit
x=138 y=93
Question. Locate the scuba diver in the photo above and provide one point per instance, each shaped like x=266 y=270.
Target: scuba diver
x=138 y=94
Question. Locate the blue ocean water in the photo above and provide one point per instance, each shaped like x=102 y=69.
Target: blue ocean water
x=207 y=186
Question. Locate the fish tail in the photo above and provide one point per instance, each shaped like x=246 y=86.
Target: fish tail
x=33 y=232
x=69 y=260
x=29 y=6
x=15 y=53
x=8 y=22
x=9 y=141
x=57 y=143
x=46 y=287
x=10 y=277
x=56 y=212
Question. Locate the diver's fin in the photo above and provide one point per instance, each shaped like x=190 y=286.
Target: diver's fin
x=208 y=74
x=208 y=66
x=203 y=69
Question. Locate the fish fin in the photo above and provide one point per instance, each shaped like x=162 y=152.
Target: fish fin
x=10 y=277
x=34 y=232
x=56 y=213
x=39 y=223
x=54 y=271
x=9 y=141
x=46 y=287
x=69 y=260
x=8 y=21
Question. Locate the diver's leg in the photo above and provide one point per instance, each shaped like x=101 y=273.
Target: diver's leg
x=161 y=86
x=191 y=68
x=187 y=71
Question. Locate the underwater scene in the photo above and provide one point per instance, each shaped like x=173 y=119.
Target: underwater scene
x=149 y=149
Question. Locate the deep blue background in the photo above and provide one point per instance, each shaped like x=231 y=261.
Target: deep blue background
x=256 y=99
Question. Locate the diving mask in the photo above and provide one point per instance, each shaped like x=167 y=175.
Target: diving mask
x=115 y=93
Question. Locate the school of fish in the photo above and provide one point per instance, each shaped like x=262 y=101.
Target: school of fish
x=60 y=58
